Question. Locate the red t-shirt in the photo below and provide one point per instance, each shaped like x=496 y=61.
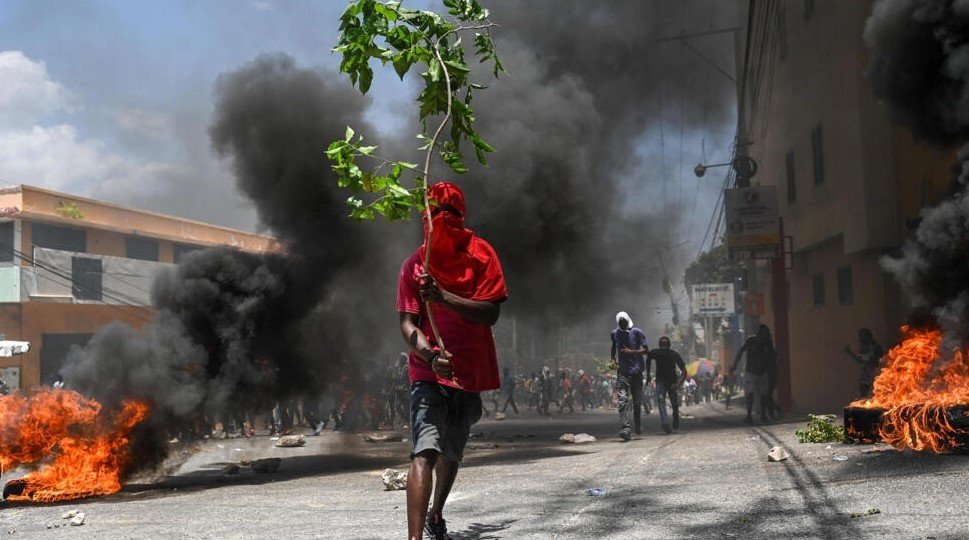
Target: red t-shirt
x=472 y=346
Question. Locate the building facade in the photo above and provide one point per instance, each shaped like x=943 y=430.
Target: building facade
x=850 y=188
x=70 y=265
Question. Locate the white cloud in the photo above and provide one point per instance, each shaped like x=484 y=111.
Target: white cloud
x=55 y=156
x=145 y=123
x=27 y=92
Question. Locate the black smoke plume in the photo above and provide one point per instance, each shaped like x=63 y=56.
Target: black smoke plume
x=566 y=199
x=230 y=326
x=563 y=200
x=920 y=66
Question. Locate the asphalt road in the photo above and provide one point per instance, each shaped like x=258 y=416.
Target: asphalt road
x=709 y=480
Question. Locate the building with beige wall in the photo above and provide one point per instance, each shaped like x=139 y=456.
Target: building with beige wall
x=850 y=187
x=69 y=265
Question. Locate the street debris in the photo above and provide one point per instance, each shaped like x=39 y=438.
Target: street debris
x=383 y=438
x=597 y=492
x=230 y=469
x=499 y=416
x=869 y=512
x=481 y=446
x=840 y=458
x=267 y=465
x=581 y=438
x=777 y=453
x=878 y=448
x=291 y=441
x=394 y=480
x=821 y=429
x=76 y=518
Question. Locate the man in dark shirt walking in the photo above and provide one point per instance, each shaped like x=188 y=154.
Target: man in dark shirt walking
x=667 y=360
x=761 y=360
x=630 y=344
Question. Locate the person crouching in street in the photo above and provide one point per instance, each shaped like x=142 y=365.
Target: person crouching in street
x=464 y=288
x=667 y=360
x=630 y=344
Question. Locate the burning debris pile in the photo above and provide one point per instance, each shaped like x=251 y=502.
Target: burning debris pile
x=919 y=52
x=81 y=449
x=229 y=331
x=921 y=399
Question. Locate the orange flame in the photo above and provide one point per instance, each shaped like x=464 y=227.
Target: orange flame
x=82 y=451
x=920 y=389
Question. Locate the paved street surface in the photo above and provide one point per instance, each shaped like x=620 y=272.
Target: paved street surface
x=709 y=480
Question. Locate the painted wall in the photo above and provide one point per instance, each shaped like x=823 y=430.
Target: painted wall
x=29 y=321
x=877 y=178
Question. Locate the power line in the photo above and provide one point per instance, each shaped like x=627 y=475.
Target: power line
x=69 y=281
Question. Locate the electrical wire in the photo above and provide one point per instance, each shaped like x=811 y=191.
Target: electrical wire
x=122 y=303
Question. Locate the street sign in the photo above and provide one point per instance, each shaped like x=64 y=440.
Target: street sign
x=753 y=225
x=713 y=299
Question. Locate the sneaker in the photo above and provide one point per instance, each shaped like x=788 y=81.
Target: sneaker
x=624 y=436
x=436 y=531
x=666 y=428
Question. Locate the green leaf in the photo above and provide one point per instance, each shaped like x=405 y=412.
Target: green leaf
x=334 y=150
x=386 y=12
x=366 y=77
x=454 y=160
x=349 y=134
x=481 y=143
x=434 y=71
x=401 y=65
x=396 y=189
x=366 y=150
x=457 y=66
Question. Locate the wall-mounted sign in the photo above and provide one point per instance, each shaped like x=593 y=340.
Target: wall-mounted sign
x=753 y=225
x=11 y=376
x=713 y=299
x=754 y=304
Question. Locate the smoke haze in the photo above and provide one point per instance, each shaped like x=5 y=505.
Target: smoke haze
x=920 y=66
x=567 y=200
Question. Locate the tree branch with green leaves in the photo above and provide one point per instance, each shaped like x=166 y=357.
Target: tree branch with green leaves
x=390 y=33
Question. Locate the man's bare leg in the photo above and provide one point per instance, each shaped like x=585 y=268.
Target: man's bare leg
x=447 y=471
x=419 y=481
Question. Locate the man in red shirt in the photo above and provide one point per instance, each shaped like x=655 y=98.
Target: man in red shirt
x=464 y=288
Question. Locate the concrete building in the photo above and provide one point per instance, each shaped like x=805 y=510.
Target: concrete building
x=850 y=187
x=69 y=265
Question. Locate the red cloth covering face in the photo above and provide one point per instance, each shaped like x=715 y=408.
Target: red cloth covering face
x=465 y=265
x=460 y=261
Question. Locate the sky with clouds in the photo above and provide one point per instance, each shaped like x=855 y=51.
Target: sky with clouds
x=113 y=99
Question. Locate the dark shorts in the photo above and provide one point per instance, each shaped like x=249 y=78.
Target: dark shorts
x=441 y=418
